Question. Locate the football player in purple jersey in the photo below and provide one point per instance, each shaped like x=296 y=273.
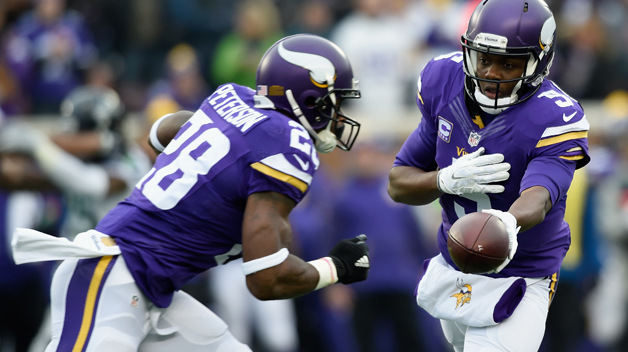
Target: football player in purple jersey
x=495 y=136
x=226 y=179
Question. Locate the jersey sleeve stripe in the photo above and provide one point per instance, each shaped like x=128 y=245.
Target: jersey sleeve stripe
x=562 y=138
x=582 y=125
x=574 y=149
x=577 y=157
x=280 y=163
x=266 y=170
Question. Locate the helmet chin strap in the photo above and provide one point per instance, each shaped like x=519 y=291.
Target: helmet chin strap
x=325 y=140
x=484 y=100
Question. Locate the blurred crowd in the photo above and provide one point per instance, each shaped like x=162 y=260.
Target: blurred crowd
x=141 y=59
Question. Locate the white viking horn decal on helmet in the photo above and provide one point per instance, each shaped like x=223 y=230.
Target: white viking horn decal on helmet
x=547 y=34
x=319 y=66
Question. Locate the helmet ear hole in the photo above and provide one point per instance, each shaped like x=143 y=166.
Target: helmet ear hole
x=310 y=102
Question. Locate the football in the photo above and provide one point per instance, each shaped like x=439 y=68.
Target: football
x=478 y=243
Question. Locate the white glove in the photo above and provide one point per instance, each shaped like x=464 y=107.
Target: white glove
x=19 y=137
x=511 y=227
x=471 y=173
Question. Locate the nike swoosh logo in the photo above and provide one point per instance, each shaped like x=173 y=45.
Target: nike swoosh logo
x=567 y=118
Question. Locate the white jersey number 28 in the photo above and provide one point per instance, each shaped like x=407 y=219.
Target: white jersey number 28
x=187 y=166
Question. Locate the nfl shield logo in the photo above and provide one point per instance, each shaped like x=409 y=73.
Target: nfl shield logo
x=474 y=139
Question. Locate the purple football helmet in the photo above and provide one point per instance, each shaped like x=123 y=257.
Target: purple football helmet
x=509 y=27
x=308 y=77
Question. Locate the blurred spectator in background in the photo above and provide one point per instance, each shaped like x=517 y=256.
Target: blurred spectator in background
x=202 y=23
x=11 y=98
x=145 y=48
x=48 y=50
x=183 y=88
x=315 y=17
x=102 y=74
x=592 y=57
x=385 y=313
x=377 y=41
x=8 y=7
x=132 y=39
x=579 y=271
x=257 y=26
x=437 y=26
x=608 y=304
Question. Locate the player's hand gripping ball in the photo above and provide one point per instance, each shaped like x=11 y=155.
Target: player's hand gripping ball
x=478 y=243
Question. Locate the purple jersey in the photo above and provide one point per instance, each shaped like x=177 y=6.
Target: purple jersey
x=185 y=216
x=544 y=139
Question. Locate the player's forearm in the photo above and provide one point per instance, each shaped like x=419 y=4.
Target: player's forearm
x=72 y=174
x=82 y=145
x=410 y=185
x=530 y=208
x=18 y=173
x=290 y=279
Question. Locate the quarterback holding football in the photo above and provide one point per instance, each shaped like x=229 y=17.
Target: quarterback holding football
x=495 y=136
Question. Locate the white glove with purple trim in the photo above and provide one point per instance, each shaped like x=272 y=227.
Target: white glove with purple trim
x=511 y=227
x=472 y=173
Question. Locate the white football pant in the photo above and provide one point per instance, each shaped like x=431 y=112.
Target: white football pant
x=97 y=307
x=522 y=332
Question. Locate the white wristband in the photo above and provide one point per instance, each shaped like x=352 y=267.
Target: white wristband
x=154 y=140
x=266 y=262
x=327 y=273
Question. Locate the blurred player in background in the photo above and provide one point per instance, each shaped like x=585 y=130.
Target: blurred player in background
x=89 y=160
x=61 y=184
x=495 y=136
x=223 y=188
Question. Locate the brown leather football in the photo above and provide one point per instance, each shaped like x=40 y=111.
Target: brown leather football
x=478 y=243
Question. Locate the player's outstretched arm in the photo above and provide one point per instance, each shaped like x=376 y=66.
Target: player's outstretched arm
x=531 y=206
x=21 y=173
x=411 y=185
x=471 y=173
x=273 y=273
x=66 y=171
x=527 y=211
